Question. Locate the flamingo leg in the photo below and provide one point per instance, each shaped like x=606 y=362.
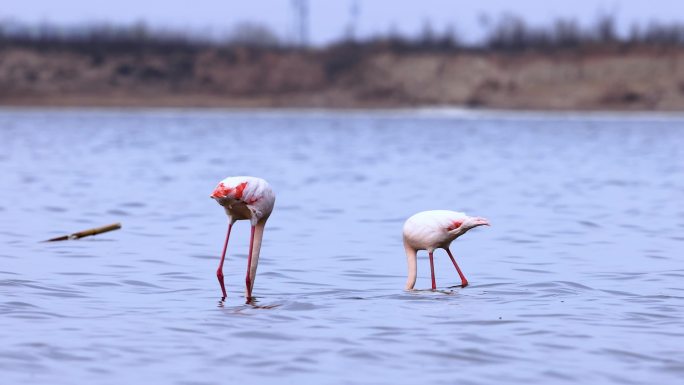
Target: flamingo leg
x=219 y=272
x=248 y=279
x=464 y=281
x=432 y=272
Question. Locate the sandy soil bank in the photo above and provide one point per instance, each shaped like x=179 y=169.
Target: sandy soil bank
x=635 y=80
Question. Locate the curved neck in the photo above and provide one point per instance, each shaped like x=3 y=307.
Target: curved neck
x=412 y=269
x=256 y=248
x=453 y=234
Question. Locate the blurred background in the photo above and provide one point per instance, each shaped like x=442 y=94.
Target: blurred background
x=530 y=54
x=578 y=280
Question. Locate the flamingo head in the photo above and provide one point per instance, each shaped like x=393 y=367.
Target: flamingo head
x=461 y=226
x=472 y=222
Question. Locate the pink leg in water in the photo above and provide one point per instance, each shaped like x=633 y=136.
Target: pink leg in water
x=432 y=272
x=219 y=272
x=464 y=281
x=248 y=279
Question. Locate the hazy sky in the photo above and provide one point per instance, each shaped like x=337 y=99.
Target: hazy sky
x=330 y=18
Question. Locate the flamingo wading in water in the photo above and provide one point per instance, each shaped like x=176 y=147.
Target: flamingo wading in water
x=245 y=197
x=436 y=229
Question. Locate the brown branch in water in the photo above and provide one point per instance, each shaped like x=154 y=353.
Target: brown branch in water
x=87 y=233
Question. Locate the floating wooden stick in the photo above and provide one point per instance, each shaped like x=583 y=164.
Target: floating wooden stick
x=87 y=233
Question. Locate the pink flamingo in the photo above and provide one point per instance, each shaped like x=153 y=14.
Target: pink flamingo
x=245 y=197
x=430 y=230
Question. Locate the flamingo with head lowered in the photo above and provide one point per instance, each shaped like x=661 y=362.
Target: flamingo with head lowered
x=245 y=198
x=430 y=230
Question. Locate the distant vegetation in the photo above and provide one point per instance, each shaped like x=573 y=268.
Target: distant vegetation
x=508 y=33
x=561 y=65
x=512 y=34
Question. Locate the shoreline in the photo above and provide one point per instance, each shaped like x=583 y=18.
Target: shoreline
x=608 y=81
x=428 y=112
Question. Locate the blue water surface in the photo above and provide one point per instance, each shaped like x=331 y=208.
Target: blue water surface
x=580 y=279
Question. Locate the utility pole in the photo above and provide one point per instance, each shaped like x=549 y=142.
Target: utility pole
x=354 y=11
x=300 y=10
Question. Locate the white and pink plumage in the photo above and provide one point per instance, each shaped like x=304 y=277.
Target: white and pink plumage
x=436 y=229
x=245 y=197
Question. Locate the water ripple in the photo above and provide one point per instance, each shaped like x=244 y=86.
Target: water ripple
x=574 y=268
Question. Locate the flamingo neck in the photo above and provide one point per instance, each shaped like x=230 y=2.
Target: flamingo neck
x=256 y=248
x=453 y=234
x=412 y=268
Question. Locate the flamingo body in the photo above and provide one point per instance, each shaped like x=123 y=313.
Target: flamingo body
x=245 y=198
x=435 y=229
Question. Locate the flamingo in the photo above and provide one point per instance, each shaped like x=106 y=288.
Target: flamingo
x=436 y=229
x=245 y=197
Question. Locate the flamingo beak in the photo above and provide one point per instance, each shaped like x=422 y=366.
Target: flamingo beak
x=481 y=222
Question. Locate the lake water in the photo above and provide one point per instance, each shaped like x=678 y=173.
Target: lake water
x=580 y=278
